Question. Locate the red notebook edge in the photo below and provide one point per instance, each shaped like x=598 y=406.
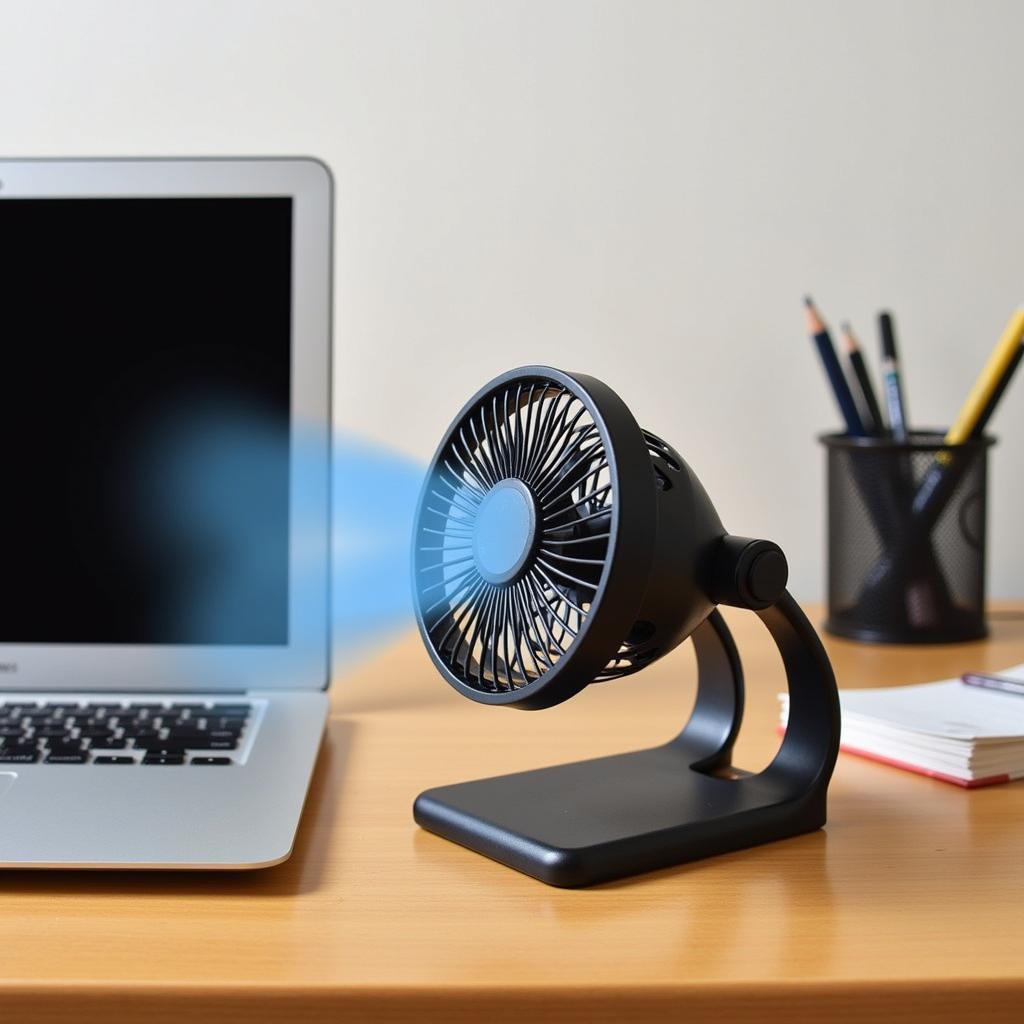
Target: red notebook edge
x=988 y=780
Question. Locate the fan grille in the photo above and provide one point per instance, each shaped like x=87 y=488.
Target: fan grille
x=538 y=437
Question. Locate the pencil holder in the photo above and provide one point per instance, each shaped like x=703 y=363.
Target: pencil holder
x=906 y=538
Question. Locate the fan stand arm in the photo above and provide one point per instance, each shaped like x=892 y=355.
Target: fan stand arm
x=811 y=744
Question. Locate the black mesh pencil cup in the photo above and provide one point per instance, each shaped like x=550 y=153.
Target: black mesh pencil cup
x=906 y=538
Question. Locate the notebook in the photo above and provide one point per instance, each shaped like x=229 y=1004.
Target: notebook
x=950 y=731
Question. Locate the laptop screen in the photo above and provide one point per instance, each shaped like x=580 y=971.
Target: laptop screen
x=145 y=372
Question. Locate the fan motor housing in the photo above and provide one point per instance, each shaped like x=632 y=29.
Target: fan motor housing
x=686 y=545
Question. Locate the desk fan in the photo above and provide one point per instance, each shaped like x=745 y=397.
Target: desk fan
x=557 y=544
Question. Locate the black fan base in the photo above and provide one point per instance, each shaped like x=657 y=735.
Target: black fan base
x=594 y=821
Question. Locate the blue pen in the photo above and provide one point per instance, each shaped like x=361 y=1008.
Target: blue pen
x=891 y=379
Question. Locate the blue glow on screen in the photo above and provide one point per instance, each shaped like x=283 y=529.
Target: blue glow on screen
x=206 y=509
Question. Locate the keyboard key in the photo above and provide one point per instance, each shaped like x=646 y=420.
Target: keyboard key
x=21 y=738
x=157 y=743
x=234 y=724
x=211 y=760
x=140 y=734
x=187 y=735
x=174 y=722
x=230 y=709
x=67 y=758
x=18 y=710
x=113 y=759
x=18 y=755
x=187 y=707
x=108 y=744
x=149 y=706
x=231 y=744
x=177 y=745
x=50 y=732
x=90 y=722
x=62 y=745
x=164 y=759
x=57 y=724
x=95 y=732
x=10 y=732
x=102 y=710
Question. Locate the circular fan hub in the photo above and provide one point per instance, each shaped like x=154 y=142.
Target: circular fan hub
x=505 y=530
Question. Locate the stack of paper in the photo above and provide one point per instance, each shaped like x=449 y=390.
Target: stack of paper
x=961 y=734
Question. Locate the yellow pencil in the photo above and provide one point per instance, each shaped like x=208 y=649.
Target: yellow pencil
x=977 y=411
x=988 y=381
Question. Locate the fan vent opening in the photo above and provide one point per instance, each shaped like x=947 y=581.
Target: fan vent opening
x=659 y=448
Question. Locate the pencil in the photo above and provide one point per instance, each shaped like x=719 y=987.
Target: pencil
x=871 y=413
x=986 y=415
x=991 y=383
x=840 y=387
x=977 y=410
x=891 y=377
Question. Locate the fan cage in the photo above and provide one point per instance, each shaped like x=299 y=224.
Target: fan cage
x=502 y=637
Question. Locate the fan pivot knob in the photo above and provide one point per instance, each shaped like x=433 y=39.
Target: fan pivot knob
x=749 y=573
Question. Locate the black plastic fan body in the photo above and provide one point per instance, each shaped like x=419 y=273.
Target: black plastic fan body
x=557 y=544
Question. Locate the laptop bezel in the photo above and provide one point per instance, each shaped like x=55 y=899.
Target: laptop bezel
x=302 y=663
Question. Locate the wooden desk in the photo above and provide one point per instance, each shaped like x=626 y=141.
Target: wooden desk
x=910 y=905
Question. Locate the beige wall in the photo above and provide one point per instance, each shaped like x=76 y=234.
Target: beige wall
x=639 y=190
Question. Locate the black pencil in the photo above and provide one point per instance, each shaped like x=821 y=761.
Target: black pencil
x=872 y=414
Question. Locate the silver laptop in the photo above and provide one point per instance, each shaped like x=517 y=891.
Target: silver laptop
x=164 y=508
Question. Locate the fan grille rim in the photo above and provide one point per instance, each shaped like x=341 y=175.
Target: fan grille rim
x=633 y=508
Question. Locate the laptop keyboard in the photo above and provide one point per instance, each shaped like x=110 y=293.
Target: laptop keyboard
x=112 y=733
